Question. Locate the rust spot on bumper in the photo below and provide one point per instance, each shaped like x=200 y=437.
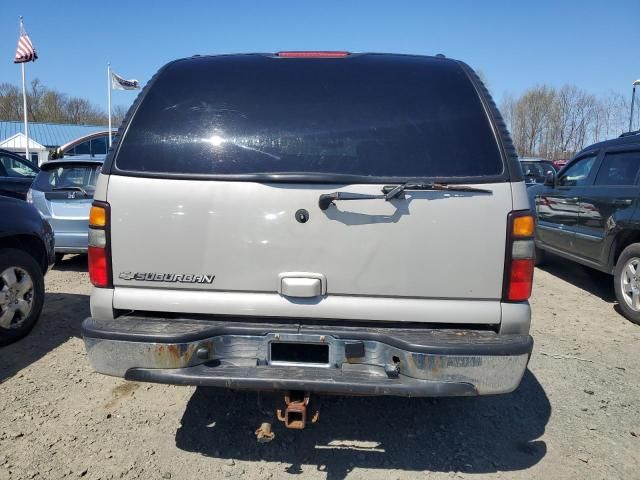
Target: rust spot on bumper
x=173 y=355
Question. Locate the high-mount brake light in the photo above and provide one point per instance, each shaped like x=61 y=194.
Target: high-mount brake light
x=312 y=54
x=99 y=251
x=519 y=262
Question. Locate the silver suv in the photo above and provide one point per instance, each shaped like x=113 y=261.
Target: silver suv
x=313 y=222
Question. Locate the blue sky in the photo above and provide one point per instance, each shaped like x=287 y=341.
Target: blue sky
x=592 y=44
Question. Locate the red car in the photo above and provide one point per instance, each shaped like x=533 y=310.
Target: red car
x=560 y=163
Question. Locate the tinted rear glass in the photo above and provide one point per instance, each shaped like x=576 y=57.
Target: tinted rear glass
x=67 y=176
x=619 y=168
x=537 y=169
x=369 y=115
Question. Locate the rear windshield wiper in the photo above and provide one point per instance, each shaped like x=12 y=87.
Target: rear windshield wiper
x=71 y=187
x=390 y=192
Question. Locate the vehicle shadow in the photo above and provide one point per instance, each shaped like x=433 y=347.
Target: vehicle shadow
x=72 y=263
x=593 y=281
x=472 y=435
x=60 y=320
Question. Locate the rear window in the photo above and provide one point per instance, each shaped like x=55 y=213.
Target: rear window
x=369 y=116
x=537 y=169
x=619 y=168
x=67 y=176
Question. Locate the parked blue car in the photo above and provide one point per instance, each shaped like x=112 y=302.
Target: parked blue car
x=62 y=192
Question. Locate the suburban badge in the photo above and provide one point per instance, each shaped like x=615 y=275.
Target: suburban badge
x=166 y=277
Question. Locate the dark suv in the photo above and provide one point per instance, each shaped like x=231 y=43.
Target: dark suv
x=16 y=175
x=588 y=213
x=26 y=254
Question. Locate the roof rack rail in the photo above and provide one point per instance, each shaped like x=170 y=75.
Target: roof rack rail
x=628 y=134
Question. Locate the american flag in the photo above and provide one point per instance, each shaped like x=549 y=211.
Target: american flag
x=25 y=52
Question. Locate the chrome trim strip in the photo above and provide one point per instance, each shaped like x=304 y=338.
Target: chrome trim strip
x=550 y=228
x=591 y=238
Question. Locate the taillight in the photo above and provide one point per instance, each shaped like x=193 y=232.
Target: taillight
x=98 y=268
x=99 y=249
x=518 y=272
x=314 y=54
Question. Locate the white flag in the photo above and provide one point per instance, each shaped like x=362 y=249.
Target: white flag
x=119 y=83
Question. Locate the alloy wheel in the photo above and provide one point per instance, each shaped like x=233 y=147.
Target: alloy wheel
x=630 y=283
x=16 y=297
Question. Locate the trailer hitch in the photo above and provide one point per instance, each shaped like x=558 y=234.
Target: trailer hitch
x=296 y=410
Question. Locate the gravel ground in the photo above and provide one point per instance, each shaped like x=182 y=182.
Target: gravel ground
x=576 y=414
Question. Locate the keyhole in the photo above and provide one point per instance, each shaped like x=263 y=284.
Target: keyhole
x=302 y=215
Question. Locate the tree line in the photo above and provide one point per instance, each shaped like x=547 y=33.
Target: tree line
x=556 y=123
x=49 y=105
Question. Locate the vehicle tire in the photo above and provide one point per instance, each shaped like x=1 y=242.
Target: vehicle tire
x=59 y=257
x=626 y=282
x=539 y=256
x=21 y=294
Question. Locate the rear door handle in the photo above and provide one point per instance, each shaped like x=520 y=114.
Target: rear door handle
x=622 y=202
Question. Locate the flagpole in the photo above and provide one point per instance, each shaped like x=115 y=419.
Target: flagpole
x=24 y=102
x=24 y=107
x=109 y=98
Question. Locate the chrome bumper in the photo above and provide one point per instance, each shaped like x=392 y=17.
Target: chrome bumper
x=238 y=355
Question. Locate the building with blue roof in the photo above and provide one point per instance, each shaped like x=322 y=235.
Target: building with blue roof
x=43 y=137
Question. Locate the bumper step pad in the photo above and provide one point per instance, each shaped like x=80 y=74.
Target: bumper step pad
x=330 y=381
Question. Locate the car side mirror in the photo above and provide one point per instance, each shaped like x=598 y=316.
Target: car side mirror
x=550 y=179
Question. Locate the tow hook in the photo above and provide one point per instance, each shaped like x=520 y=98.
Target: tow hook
x=296 y=410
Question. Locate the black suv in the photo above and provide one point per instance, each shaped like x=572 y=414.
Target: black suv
x=588 y=213
x=26 y=254
x=16 y=175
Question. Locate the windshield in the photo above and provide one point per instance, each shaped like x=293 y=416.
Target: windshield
x=15 y=168
x=536 y=170
x=366 y=116
x=67 y=176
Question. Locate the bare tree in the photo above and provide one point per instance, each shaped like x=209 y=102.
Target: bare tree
x=556 y=123
x=117 y=115
x=80 y=110
x=53 y=105
x=617 y=108
x=574 y=112
x=529 y=118
x=34 y=99
x=10 y=106
x=507 y=107
x=48 y=105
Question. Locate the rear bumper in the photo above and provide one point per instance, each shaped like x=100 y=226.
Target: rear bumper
x=72 y=242
x=362 y=360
